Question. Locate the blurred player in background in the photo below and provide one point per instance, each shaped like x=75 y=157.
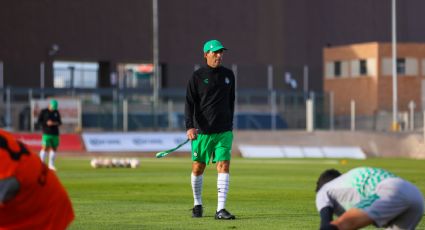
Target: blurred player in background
x=365 y=196
x=209 y=110
x=31 y=196
x=50 y=120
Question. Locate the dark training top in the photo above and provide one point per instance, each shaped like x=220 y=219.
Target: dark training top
x=210 y=100
x=45 y=115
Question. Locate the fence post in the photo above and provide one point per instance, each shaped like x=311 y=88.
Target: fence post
x=305 y=75
x=235 y=118
x=1 y=75
x=353 y=115
x=125 y=115
x=114 y=109
x=170 y=115
x=32 y=118
x=412 y=106
x=42 y=76
x=80 y=116
x=309 y=115
x=8 y=119
x=331 y=110
x=273 y=110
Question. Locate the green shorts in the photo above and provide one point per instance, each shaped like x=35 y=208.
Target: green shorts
x=215 y=147
x=48 y=140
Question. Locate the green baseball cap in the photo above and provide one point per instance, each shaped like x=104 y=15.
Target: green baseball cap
x=53 y=104
x=213 y=45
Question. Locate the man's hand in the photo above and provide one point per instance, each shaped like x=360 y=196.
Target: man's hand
x=192 y=134
x=50 y=123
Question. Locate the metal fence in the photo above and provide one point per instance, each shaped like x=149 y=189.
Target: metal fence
x=135 y=110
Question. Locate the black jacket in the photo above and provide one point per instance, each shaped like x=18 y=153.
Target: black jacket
x=45 y=115
x=210 y=100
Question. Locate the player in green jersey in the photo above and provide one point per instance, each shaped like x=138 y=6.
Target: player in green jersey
x=364 y=196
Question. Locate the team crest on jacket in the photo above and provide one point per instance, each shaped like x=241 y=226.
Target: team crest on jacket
x=227 y=80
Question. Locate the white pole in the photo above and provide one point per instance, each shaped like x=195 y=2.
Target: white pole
x=394 y=65
x=270 y=85
x=270 y=77
x=80 y=116
x=170 y=115
x=1 y=75
x=8 y=119
x=32 y=103
x=235 y=118
x=273 y=110
x=42 y=69
x=331 y=110
x=353 y=115
x=125 y=115
x=305 y=73
x=424 y=124
x=309 y=115
x=155 y=33
x=412 y=106
x=42 y=75
x=156 y=74
x=114 y=108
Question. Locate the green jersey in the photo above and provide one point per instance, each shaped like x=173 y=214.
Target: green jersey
x=347 y=190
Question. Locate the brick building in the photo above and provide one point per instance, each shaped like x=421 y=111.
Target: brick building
x=363 y=73
x=41 y=39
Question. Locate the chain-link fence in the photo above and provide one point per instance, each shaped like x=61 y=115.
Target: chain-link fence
x=135 y=110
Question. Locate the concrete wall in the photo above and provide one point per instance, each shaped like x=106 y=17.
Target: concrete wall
x=374 y=144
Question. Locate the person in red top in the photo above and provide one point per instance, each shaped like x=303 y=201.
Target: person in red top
x=31 y=196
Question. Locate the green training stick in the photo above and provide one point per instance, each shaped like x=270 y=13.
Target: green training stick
x=166 y=152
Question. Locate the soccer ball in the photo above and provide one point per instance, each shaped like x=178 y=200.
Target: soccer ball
x=107 y=163
x=134 y=163
x=95 y=163
x=114 y=162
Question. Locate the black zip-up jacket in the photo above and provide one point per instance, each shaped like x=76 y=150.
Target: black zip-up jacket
x=210 y=100
x=45 y=115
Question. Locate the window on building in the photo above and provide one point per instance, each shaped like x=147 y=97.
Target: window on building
x=423 y=68
x=401 y=66
x=337 y=69
x=75 y=74
x=138 y=75
x=363 y=67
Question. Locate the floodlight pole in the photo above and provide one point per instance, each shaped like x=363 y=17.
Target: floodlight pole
x=394 y=65
x=155 y=58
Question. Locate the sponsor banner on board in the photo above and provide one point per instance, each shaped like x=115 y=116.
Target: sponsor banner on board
x=67 y=142
x=134 y=142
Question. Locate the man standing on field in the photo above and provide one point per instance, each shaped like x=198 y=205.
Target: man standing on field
x=50 y=120
x=209 y=110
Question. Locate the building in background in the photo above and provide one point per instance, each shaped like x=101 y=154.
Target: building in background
x=104 y=35
x=363 y=73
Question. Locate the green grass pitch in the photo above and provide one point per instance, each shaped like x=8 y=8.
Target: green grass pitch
x=264 y=194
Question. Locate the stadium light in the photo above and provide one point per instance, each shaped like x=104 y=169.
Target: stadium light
x=155 y=44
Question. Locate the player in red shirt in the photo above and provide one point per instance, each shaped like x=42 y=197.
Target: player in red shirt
x=31 y=196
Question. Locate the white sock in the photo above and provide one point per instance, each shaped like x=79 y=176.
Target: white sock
x=43 y=155
x=222 y=188
x=197 y=188
x=52 y=157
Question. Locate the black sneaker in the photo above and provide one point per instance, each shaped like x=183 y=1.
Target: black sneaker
x=197 y=211
x=224 y=215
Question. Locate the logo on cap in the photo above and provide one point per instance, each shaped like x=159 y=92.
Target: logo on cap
x=213 y=45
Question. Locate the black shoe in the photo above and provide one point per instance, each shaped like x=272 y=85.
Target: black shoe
x=197 y=211
x=224 y=215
